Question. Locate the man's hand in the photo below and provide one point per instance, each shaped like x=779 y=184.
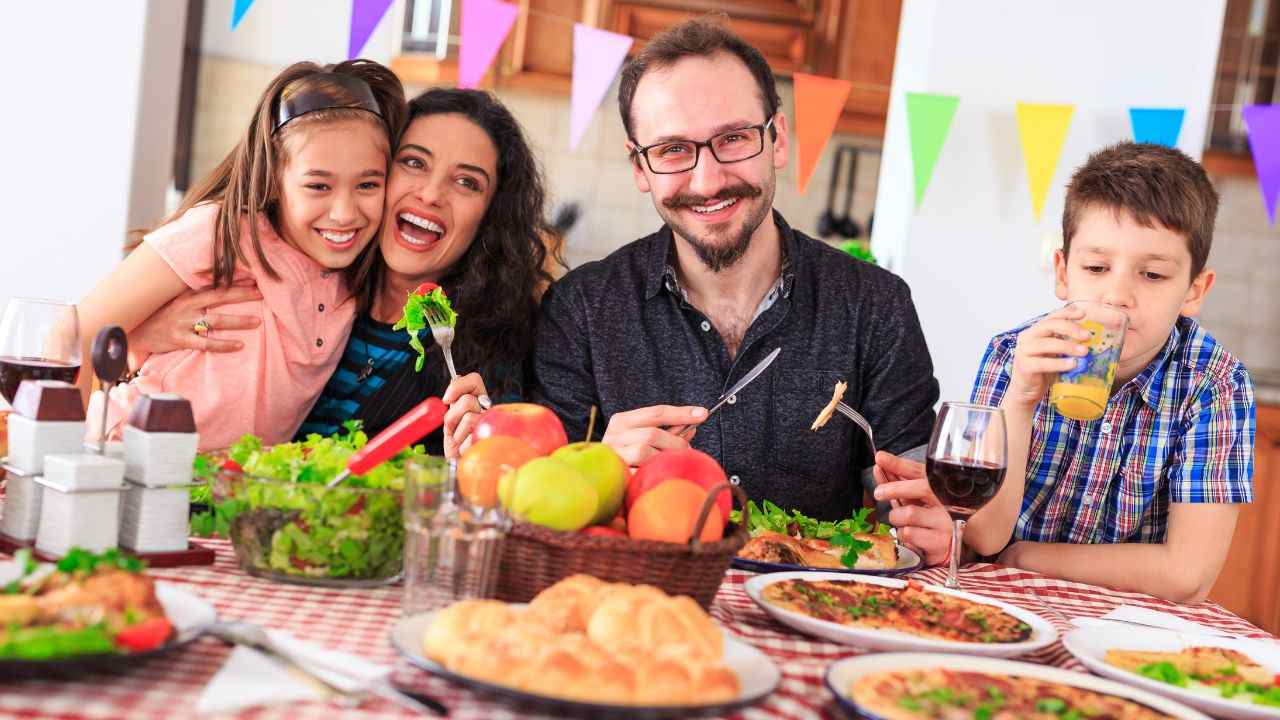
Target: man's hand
x=637 y=434
x=463 y=396
x=921 y=520
x=1045 y=349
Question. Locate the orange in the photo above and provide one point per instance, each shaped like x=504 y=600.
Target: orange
x=668 y=512
x=485 y=462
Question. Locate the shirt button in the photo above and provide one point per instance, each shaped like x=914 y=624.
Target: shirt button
x=321 y=307
x=319 y=342
x=1088 y=499
x=732 y=399
x=734 y=479
x=706 y=326
x=1105 y=428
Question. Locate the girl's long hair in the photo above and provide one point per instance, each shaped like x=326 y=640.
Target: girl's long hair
x=494 y=286
x=247 y=181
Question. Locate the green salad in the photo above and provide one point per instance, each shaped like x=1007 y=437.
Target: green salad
x=282 y=519
x=426 y=298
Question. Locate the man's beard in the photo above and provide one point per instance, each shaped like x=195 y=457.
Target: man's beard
x=718 y=256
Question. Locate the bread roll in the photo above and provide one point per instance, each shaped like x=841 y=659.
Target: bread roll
x=566 y=606
x=644 y=618
x=462 y=623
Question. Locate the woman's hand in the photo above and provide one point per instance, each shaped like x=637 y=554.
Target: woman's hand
x=172 y=326
x=921 y=520
x=467 y=398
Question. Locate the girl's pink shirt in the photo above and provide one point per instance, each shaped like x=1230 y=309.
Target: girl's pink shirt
x=268 y=387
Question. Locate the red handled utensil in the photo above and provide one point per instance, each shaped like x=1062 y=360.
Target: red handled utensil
x=425 y=417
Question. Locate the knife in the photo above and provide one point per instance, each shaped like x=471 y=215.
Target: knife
x=754 y=373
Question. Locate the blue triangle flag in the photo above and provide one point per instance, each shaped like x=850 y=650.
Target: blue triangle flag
x=237 y=13
x=1156 y=125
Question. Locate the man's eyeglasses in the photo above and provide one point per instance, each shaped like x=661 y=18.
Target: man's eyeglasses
x=677 y=156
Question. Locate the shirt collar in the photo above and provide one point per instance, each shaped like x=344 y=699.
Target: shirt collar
x=660 y=269
x=1149 y=383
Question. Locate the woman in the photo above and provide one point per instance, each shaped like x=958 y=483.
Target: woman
x=459 y=213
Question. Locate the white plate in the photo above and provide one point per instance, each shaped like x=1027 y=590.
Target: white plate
x=757 y=676
x=1090 y=645
x=842 y=673
x=1043 y=633
x=908 y=561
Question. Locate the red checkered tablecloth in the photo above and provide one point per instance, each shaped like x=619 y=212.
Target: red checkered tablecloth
x=358 y=621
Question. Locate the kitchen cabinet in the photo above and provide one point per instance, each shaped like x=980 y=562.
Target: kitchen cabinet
x=1249 y=585
x=853 y=40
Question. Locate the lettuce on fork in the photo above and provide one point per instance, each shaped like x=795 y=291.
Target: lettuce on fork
x=426 y=297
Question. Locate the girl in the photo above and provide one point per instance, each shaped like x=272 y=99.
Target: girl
x=292 y=207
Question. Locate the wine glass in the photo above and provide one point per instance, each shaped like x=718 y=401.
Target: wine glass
x=39 y=340
x=966 y=464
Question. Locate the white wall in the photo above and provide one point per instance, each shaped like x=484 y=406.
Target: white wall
x=87 y=136
x=972 y=253
x=280 y=32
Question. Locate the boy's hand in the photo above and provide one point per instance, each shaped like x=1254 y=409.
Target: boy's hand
x=1045 y=349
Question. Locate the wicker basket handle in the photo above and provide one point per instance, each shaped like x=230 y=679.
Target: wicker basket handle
x=709 y=504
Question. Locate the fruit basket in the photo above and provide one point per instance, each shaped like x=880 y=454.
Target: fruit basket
x=536 y=557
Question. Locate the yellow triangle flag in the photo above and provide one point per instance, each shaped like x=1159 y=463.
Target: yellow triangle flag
x=819 y=102
x=1042 y=129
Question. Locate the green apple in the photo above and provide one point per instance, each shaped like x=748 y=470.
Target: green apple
x=602 y=467
x=548 y=492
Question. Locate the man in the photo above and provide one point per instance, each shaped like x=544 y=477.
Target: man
x=657 y=331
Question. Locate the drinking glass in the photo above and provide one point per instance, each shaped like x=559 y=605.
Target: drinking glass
x=39 y=340
x=966 y=464
x=1081 y=393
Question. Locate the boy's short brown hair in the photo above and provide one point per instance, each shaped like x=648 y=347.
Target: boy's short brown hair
x=699 y=37
x=1154 y=184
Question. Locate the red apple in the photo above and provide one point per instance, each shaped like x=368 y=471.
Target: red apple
x=532 y=423
x=684 y=463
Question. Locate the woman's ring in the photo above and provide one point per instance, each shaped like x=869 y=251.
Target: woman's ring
x=201 y=327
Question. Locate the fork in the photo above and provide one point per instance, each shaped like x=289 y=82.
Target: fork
x=442 y=331
x=860 y=421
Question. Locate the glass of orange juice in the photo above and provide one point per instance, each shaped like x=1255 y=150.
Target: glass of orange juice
x=1082 y=392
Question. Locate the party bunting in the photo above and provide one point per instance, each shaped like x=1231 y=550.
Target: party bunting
x=1263 y=125
x=365 y=15
x=929 y=120
x=485 y=24
x=237 y=12
x=1156 y=125
x=819 y=102
x=1042 y=130
x=597 y=55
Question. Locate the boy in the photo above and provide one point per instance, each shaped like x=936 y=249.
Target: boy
x=1144 y=498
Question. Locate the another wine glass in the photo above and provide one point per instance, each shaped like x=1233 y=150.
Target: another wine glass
x=966 y=464
x=39 y=340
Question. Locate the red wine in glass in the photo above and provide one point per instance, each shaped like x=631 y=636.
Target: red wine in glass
x=963 y=488
x=39 y=340
x=13 y=370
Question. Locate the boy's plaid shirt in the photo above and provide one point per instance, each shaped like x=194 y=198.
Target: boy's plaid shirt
x=1182 y=431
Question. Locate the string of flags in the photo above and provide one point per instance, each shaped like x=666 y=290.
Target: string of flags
x=598 y=55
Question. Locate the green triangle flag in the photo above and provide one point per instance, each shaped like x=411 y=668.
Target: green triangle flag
x=929 y=119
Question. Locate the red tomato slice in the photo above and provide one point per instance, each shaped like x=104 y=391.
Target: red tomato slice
x=231 y=465
x=145 y=635
x=425 y=288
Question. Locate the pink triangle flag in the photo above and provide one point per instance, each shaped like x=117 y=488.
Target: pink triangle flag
x=485 y=24
x=597 y=55
x=365 y=15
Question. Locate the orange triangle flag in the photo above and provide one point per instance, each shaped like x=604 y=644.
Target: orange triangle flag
x=819 y=102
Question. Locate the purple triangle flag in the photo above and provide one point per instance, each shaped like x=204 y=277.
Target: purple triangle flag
x=597 y=55
x=1263 y=124
x=1156 y=125
x=237 y=12
x=365 y=15
x=485 y=24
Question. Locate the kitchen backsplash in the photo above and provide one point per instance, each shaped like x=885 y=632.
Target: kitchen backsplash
x=596 y=175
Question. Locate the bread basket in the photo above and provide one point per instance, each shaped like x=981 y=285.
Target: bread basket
x=535 y=557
